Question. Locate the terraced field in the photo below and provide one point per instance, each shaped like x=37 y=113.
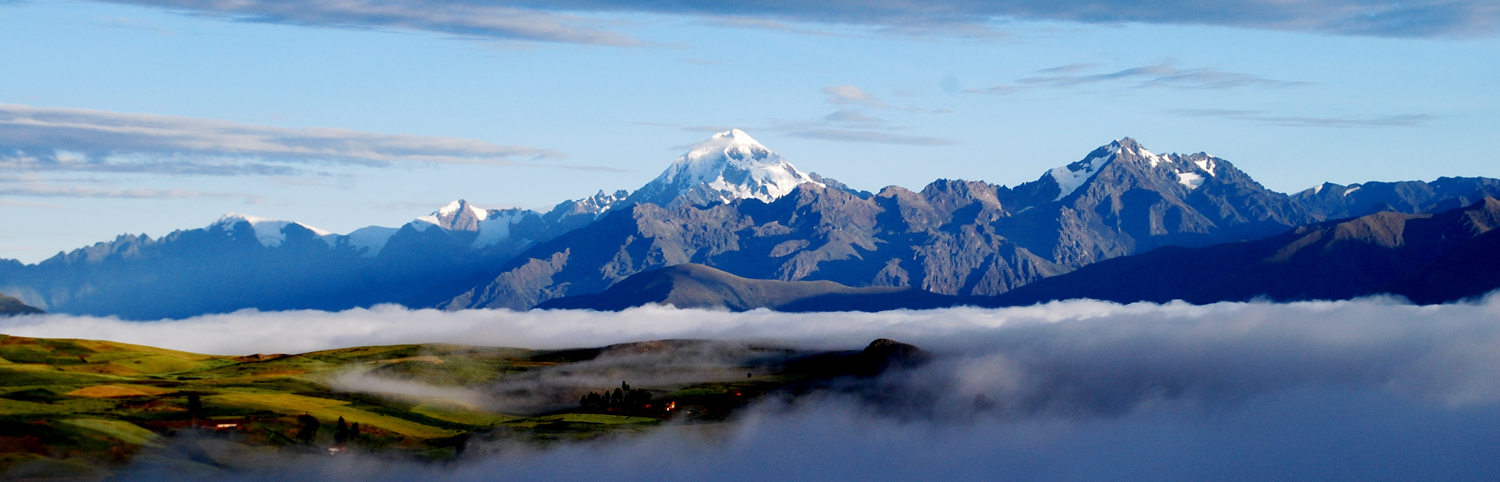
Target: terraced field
x=86 y=408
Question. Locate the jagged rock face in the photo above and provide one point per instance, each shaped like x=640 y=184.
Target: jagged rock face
x=953 y=237
x=1334 y=201
x=457 y=216
x=1382 y=252
x=1137 y=201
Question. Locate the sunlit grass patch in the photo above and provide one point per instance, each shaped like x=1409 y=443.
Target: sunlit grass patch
x=156 y=364
x=23 y=375
x=458 y=414
x=327 y=410
x=116 y=391
x=122 y=430
x=591 y=418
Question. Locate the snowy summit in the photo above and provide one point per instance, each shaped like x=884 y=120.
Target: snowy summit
x=457 y=216
x=268 y=231
x=1191 y=171
x=729 y=166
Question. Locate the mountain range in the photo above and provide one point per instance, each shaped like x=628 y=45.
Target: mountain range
x=735 y=206
x=1428 y=258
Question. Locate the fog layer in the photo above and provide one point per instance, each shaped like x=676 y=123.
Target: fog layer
x=1356 y=390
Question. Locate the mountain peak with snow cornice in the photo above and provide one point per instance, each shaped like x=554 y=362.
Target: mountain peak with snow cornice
x=730 y=165
x=457 y=216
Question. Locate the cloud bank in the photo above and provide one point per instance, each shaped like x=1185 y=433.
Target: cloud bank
x=46 y=139
x=1080 y=390
x=560 y=21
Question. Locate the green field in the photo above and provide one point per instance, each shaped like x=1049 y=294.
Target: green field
x=81 y=409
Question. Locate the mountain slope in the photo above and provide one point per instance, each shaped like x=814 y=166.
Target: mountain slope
x=1135 y=201
x=1437 y=257
x=10 y=306
x=1333 y=201
x=248 y=262
x=814 y=233
x=697 y=286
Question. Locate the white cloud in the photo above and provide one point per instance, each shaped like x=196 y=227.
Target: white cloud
x=81 y=140
x=849 y=94
x=1079 y=390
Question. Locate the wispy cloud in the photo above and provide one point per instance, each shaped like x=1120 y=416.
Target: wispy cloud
x=493 y=20
x=1068 y=69
x=131 y=24
x=567 y=21
x=28 y=204
x=764 y=24
x=35 y=186
x=1403 y=120
x=714 y=129
x=55 y=190
x=577 y=167
x=1156 y=75
x=851 y=95
x=851 y=123
x=37 y=139
x=877 y=137
x=998 y=89
x=851 y=117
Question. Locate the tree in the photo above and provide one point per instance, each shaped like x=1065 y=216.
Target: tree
x=309 y=430
x=341 y=432
x=195 y=408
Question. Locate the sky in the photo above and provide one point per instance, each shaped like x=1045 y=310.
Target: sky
x=148 y=116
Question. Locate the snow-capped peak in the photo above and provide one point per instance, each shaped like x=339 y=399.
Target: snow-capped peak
x=457 y=216
x=1070 y=177
x=730 y=165
x=599 y=204
x=268 y=231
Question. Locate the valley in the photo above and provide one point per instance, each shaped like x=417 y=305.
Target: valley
x=85 y=408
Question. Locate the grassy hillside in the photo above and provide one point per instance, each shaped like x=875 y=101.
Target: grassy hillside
x=84 y=408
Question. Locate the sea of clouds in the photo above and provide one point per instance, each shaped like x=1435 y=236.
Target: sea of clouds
x=1371 y=389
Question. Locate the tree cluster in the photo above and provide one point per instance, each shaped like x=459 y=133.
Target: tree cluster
x=619 y=400
x=307 y=432
x=345 y=433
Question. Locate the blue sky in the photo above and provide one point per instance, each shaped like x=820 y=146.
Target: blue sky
x=153 y=115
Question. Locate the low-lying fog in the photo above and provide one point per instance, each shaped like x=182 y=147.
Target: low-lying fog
x=1359 y=390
